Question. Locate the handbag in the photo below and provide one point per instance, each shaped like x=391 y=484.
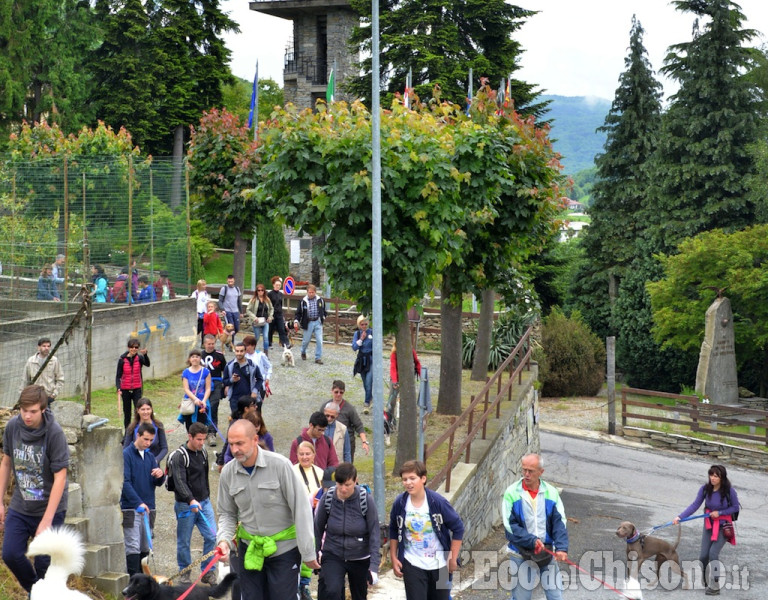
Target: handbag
x=728 y=530
x=260 y=321
x=187 y=406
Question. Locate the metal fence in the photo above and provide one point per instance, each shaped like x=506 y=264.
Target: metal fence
x=91 y=210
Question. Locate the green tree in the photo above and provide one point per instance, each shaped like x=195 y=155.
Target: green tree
x=318 y=165
x=272 y=256
x=236 y=97
x=222 y=169
x=736 y=262
x=440 y=42
x=41 y=69
x=705 y=161
x=621 y=186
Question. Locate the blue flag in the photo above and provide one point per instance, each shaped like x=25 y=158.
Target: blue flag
x=254 y=96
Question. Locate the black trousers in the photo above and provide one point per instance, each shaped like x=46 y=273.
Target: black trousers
x=425 y=585
x=278 y=324
x=130 y=398
x=331 y=582
x=277 y=580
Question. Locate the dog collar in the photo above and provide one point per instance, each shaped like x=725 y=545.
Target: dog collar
x=634 y=538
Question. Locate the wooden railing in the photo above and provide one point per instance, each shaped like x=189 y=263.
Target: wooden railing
x=703 y=417
x=519 y=359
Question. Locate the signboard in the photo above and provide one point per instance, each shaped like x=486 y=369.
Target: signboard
x=289 y=285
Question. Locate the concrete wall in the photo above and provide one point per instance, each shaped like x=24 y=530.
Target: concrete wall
x=112 y=326
x=477 y=488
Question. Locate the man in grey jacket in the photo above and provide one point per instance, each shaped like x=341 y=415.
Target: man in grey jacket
x=347 y=530
x=260 y=491
x=52 y=377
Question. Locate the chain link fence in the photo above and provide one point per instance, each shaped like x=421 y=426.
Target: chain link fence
x=59 y=217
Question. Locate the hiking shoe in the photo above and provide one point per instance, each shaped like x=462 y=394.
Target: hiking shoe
x=304 y=593
x=303 y=356
x=711 y=592
x=209 y=578
x=184 y=579
x=212 y=442
x=365 y=410
x=318 y=361
x=289 y=346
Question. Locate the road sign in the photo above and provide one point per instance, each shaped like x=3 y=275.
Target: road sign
x=289 y=285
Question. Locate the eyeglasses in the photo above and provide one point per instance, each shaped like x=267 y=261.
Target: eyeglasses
x=133 y=347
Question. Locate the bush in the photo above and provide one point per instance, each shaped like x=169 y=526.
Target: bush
x=176 y=264
x=507 y=331
x=575 y=357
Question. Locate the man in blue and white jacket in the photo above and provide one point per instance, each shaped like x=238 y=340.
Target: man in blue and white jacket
x=534 y=520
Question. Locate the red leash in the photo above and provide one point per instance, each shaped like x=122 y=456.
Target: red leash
x=216 y=558
x=606 y=584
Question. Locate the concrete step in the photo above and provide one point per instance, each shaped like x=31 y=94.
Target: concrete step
x=110 y=583
x=96 y=560
x=79 y=524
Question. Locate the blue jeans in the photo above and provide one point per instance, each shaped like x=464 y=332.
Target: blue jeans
x=313 y=328
x=368 y=385
x=263 y=331
x=551 y=580
x=185 y=525
x=234 y=318
x=18 y=529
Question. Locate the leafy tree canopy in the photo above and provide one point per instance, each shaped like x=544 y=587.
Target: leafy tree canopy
x=735 y=262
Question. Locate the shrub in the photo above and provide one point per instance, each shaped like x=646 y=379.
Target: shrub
x=507 y=331
x=575 y=357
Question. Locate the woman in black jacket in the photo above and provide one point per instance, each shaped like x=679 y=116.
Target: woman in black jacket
x=347 y=537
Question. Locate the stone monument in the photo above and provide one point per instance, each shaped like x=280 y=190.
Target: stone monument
x=716 y=377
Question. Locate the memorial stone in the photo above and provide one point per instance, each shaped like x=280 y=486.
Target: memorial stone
x=716 y=377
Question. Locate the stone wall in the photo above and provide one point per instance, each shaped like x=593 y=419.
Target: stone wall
x=718 y=451
x=112 y=326
x=477 y=488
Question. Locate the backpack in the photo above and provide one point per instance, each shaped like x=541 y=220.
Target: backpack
x=362 y=490
x=180 y=451
x=117 y=293
x=734 y=516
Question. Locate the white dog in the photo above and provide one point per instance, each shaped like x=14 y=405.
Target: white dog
x=65 y=547
x=288 y=357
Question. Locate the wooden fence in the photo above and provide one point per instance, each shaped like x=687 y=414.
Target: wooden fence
x=519 y=359
x=700 y=416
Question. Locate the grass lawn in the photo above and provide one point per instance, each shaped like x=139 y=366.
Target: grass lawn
x=220 y=265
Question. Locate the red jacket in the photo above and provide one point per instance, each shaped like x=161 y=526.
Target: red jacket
x=128 y=375
x=212 y=324
x=393 y=366
x=325 y=453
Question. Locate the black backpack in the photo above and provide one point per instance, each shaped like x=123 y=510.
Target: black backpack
x=180 y=451
x=362 y=491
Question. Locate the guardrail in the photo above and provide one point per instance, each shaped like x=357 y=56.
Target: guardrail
x=519 y=359
x=703 y=417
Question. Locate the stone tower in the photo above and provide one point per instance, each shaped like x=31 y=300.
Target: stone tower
x=321 y=29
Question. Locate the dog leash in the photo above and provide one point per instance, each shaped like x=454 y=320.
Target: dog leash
x=147 y=528
x=605 y=583
x=193 y=564
x=652 y=529
x=201 y=514
x=217 y=556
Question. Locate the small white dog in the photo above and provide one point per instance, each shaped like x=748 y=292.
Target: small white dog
x=288 y=357
x=65 y=547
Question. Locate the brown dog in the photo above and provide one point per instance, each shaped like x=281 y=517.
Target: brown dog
x=640 y=547
x=227 y=336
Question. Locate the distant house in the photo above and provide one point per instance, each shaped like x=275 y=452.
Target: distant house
x=574 y=206
x=571 y=229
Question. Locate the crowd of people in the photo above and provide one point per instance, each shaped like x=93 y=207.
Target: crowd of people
x=281 y=520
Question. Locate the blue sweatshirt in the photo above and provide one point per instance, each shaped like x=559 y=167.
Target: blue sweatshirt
x=138 y=483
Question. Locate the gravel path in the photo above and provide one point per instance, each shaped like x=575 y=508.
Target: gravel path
x=297 y=392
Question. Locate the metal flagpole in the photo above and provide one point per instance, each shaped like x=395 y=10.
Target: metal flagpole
x=377 y=321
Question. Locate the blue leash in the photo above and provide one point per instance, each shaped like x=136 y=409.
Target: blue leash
x=200 y=513
x=148 y=530
x=652 y=529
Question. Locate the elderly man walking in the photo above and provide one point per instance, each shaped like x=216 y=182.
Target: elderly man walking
x=534 y=520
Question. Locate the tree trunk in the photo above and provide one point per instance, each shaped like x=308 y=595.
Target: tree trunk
x=407 y=426
x=449 y=396
x=238 y=269
x=483 y=343
x=178 y=161
x=317 y=243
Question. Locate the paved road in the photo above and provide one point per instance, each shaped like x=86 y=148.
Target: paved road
x=604 y=483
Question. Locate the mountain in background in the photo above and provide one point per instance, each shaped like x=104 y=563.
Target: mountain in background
x=574 y=122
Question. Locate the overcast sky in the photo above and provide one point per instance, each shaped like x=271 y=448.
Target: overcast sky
x=572 y=47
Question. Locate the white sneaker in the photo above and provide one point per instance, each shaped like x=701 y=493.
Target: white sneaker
x=387 y=441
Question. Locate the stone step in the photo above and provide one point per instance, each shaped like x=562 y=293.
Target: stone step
x=79 y=524
x=74 y=500
x=110 y=583
x=96 y=560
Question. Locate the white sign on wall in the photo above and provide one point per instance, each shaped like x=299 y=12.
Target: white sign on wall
x=295 y=252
